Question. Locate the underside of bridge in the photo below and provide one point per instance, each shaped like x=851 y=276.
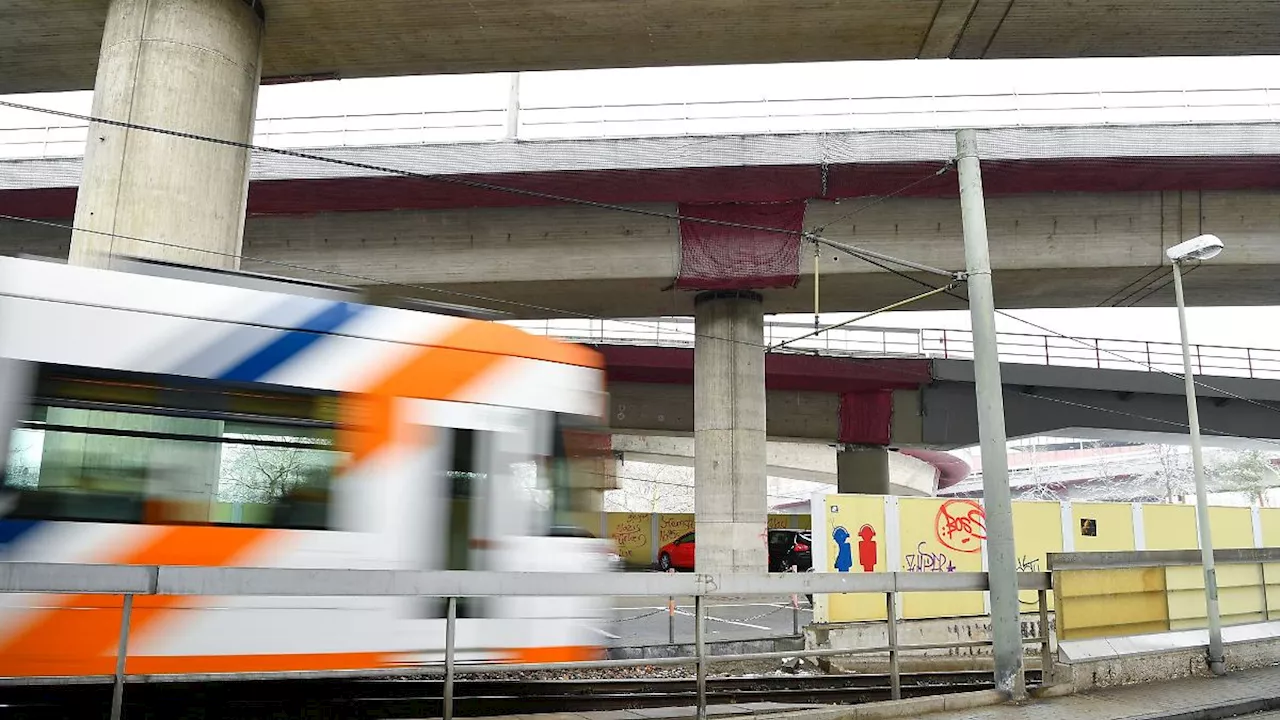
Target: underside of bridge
x=54 y=44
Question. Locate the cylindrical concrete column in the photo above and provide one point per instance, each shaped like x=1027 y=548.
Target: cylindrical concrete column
x=730 y=465
x=191 y=66
x=862 y=469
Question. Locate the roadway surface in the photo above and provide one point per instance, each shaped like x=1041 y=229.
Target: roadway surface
x=642 y=621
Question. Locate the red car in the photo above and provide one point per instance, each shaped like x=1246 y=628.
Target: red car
x=677 y=554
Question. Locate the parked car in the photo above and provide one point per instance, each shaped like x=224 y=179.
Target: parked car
x=787 y=548
x=790 y=548
x=677 y=554
x=614 y=558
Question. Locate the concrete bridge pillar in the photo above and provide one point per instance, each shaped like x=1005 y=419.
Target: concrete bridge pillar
x=730 y=464
x=862 y=469
x=191 y=66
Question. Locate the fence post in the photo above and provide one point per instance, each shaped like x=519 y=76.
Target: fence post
x=700 y=650
x=1046 y=351
x=891 y=618
x=1149 y=365
x=671 y=621
x=1046 y=649
x=450 y=632
x=122 y=652
x=1097 y=353
x=1248 y=354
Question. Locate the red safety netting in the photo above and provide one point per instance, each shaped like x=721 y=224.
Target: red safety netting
x=721 y=257
x=866 y=418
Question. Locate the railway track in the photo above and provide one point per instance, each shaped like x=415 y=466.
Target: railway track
x=366 y=699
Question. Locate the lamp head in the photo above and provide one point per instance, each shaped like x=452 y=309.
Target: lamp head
x=1202 y=247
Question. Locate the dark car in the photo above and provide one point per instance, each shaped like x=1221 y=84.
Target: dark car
x=790 y=548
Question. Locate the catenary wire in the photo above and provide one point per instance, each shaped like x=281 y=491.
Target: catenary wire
x=448 y=179
x=877 y=260
x=1085 y=344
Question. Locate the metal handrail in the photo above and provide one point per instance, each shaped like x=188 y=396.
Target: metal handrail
x=130 y=581
x=944 y=344
x=787 y=114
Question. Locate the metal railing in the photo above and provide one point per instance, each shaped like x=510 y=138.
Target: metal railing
x=1162 y=591
x=760 y=114
x=850 y=341
x=1164 y=357
x=866 y=341
x=130 y=581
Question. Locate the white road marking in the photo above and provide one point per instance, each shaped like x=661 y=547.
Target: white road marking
x=606 y=633
x=730 y=622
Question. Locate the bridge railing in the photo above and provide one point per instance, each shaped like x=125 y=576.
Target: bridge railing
x=767 y=111
x=851 y=341
x=1105 y=354
x=130 y=581
x=867 y=341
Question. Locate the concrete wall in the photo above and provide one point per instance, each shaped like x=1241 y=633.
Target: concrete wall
x=1061 y=249
x=920 y=632
x=1042 y=400
x=812 y=461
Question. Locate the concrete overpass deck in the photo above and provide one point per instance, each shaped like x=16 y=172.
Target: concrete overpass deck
x=1078 y=216
x=55 y=45
x=924 y=399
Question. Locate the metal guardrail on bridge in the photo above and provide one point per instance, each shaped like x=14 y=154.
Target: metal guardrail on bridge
x=129 y=581
x=496 y=119
x=884 y=342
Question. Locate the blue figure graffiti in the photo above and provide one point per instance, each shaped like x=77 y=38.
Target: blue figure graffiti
x=844 y=555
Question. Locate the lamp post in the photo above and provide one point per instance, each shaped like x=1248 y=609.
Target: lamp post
x=1202 y=247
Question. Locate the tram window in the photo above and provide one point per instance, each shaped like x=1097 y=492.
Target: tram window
x=462 y=478
x=110 y=460
x=581 y=466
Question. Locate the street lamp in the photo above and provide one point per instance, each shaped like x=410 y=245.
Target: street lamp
x=1202 y=247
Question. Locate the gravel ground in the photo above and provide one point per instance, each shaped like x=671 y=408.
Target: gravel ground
x=641 y=672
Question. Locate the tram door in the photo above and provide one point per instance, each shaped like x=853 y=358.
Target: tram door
x=480 y=510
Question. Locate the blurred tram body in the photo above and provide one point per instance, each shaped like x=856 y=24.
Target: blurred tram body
x=232 y=420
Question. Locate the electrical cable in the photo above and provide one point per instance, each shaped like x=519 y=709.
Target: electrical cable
x=1083 y=343
x=448 y=179
x=875 y=259
x=1133 y=283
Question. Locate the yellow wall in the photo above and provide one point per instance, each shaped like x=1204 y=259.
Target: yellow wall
x=938 y=535
x=1169 y=527
x=1037 y=531
x=1231 y=527
x=853 y=513
x=672 y=525
x=1270 y=527
x=1114 y=525
x=631 y=531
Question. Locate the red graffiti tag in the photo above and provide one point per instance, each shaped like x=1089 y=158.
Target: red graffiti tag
x=961 y=525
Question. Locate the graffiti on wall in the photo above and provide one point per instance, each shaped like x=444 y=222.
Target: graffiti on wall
x=961 y=525
x=1028 y=564
x=844 y=549
x=631 y=533
x=671 y=527
x=925 y=560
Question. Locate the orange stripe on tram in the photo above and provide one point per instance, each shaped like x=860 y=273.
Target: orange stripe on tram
x=440 y=372
x=558 y=654
x=80 y=635
x=285 y=662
